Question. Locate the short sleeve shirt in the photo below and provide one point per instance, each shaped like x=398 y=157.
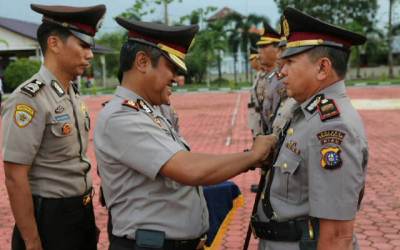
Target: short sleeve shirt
x=132 y=144
x=47 y=128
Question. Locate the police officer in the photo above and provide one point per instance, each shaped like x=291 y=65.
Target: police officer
x=316 y=184
x=150 y=179
x=45 y=132
x=267 y=48
x=275 y=95
x=253 y=118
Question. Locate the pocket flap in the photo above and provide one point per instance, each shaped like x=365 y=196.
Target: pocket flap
x=287 y=163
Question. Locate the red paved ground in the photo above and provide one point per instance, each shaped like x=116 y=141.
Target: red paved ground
x=205 y=120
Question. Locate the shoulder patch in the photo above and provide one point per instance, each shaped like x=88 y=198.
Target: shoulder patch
x=330 y=158
x=32 y=88
x=132 y=104
x=312 y=105
x=327 y=109
x=57 y=88
x=23 y=115
x=331 y=136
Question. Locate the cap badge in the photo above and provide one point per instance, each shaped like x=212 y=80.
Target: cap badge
x=285 y=25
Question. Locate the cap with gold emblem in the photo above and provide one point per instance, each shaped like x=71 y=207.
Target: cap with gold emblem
x=269 y=36
x=253 y=53
x=282 y=41
x=173 y=41
x=83 y=22
x=304 y=32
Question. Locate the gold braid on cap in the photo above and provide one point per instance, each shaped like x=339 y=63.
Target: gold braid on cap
x=304 y=43
x=171 y=51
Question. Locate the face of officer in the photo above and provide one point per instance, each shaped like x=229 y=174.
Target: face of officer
x=161 y=77
x=72 y=54
x=305 y=76
x=300 y=76
x=268 y=55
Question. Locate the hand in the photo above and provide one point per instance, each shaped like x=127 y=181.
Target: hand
x=263 y=145
x=34 y=244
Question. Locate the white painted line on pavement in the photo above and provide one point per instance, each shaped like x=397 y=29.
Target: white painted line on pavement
x=376 y=104
x=233 y=120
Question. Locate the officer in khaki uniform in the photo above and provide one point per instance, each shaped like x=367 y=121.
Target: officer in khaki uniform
x=316 y=184
x=150 y=180
x=45 y=138
x=267 y=48
x=253 y=118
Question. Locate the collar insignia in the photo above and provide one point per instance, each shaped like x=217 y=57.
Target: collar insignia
x=57 y=88
x=312 y=105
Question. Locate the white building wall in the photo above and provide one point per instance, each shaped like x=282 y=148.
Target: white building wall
x=13 y=41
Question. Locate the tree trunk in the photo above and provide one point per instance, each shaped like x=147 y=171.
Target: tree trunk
x=246 y=65
x=219 y=65
x=166 y=21
x=234 y=67
x=390 y=40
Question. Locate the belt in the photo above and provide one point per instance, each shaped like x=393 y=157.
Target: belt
x=291 y=230
x=194 y=244
x=81 y=200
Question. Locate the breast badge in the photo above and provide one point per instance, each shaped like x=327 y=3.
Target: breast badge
x=331 y=158
x=66 y=129
x=23 y=115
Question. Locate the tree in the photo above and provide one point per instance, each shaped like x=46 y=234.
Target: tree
x=390 y=39
x=19 y=71
x=359 y=16
x=112 y=40
x=240 y=37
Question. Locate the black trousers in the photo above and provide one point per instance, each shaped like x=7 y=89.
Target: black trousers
x=63 y=224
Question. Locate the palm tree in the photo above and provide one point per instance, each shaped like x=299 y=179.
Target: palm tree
x=240 y=37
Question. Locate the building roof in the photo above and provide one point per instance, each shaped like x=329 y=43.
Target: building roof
x=29 y=29
x=24 y=28
x=222 y=13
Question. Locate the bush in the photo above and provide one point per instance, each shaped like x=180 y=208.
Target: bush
x=19 y=71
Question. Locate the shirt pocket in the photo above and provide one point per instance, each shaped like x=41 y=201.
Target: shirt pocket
x=288 y=178
x=62 y=139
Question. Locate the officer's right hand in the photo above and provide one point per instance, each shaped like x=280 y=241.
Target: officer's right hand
x=263 y=146
x=34 y=244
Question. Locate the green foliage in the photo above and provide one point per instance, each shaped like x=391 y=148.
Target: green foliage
x=139 y=9
x=113 y=40
x=19 y=71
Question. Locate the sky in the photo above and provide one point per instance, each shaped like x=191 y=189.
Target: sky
x=20 y=9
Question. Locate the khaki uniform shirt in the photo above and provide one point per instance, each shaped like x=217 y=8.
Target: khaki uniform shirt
x=132 y=143
x=273 y=96
x=321 y=167
x=46 y=128
x=256 y=99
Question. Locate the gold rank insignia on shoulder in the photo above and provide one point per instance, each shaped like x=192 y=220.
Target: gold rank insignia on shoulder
x=327 y=109
x=330 y=158
x=23 y=115
x=131 y=104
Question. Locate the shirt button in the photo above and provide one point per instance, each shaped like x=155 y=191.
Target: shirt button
x=284 y=165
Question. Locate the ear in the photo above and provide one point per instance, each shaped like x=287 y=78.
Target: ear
x=54 y=44
x=142 y=61
x=325 y=68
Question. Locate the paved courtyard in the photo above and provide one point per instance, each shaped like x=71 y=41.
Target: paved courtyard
x=216 y=123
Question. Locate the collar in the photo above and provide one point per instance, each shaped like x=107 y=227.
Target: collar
x=335 y=90
x=125 y=93
x=46 y=74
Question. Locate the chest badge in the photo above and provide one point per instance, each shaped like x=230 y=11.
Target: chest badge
x=23 y=115
x=59 y=109
x=331 y=158
x=66 y=129
x=292 y=146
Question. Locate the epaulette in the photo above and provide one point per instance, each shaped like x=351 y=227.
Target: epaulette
x=327 y=109
x=271 y=75
x=132 y=104
x=75 y=88
x=32 y=88
x=312 y=105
